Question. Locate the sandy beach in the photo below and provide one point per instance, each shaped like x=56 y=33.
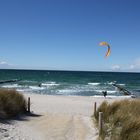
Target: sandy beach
x=67 y=55
x=55 y=118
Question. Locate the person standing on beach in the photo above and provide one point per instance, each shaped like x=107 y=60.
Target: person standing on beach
x=39 y=84
x=104 y=93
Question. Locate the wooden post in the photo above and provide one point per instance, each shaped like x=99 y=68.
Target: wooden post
x=100 y=122
x=95 y=105
x=29 y=104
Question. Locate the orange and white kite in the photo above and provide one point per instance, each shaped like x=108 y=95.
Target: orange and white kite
x=106 y=44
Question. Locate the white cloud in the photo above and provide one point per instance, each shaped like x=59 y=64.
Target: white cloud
x=115 y=67
x=132 y=66
x=5 y=65
x=135 y=65
x=137 y=62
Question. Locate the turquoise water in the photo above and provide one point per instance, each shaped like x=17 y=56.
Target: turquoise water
x=70 y=82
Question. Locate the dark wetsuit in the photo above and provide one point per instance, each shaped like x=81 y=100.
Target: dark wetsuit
x=104 y=93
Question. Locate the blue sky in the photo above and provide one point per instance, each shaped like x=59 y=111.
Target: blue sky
x=64 y=34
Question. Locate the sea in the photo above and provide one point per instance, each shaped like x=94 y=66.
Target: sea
x=70 y=83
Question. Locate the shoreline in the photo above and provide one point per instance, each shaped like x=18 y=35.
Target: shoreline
x=62 y=95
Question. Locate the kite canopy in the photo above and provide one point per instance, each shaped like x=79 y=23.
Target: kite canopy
x=105 y=44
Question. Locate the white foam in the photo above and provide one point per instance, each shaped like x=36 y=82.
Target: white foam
x=50 y=84
x=98 y=90
x=68 y=91
x=11 y=86
x=108 y=91
x=28 y=81
x=113 y=91
x=110 y=83
x=94 y=84
x=36 y=88
x=121 y=84
x=20 y=90
x=120 y=97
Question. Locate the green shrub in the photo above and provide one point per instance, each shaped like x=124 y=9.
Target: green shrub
x=12 y=103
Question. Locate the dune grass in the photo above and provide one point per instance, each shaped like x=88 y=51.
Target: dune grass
x=121 y=120
x=12 y=103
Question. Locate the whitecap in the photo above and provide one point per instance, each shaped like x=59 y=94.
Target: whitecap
x=50 y=84
x=110 y=83
x=121 y=84
x=94 y=84
x=36 y=88
x=113 y=91
x=11 y=86
x=68 y=91
x=108 y=91
x=119 y=97
x=20 y=90
x=98 y=91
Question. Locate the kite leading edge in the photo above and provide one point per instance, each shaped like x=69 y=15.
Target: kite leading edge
x=106 y=44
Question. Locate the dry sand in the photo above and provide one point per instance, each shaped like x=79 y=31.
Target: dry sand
x=57 y=118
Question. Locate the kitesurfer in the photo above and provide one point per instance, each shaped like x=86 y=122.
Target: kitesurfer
x=39 y=84
x=104 y=93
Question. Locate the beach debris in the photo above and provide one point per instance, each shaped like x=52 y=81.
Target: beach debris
x=106 y=44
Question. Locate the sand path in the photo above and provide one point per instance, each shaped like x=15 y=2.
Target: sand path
x=63 y=127
x=63 y=118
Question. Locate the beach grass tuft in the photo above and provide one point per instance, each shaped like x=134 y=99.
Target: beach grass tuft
x=121 y=120
x=12 y=103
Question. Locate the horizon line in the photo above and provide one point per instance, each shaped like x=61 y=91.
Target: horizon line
x=107 y=71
